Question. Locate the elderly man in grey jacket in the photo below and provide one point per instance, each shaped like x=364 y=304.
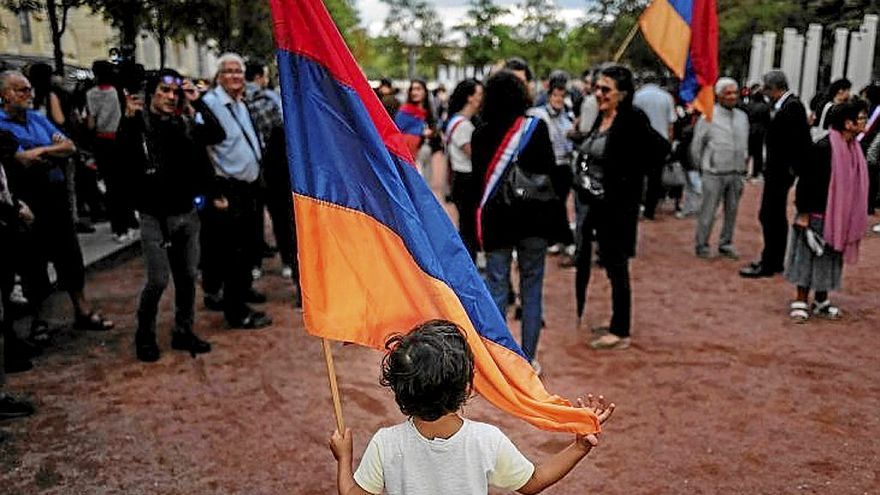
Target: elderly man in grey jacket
x=720 y=149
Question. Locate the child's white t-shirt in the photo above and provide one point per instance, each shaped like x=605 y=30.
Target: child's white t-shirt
x=403 y=462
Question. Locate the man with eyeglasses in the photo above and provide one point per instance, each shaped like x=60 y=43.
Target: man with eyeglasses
x=229 y=234
x=37 y=177
x=166 y=146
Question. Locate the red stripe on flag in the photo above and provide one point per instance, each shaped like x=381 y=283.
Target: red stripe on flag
x=306 y=28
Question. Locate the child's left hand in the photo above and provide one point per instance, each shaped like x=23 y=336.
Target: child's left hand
x=602 y=410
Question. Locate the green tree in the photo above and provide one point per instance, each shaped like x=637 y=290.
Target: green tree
x=484 y=33
x=540 y=35
x=415 y=35
x=56 y=11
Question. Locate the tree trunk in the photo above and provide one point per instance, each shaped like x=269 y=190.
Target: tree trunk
x=128 y=33
x=162 y=41
x=57 y=52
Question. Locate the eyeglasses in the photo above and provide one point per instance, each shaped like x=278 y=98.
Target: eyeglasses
x=603 y=89
x=169 y=80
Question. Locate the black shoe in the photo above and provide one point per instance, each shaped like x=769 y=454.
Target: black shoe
x=252 y=321
x=213 y=302
x=18 y=347
x=758 y=270
x=146 y=348
x=189 y=341
x=252 y=296
x=17 y=365
x=12 y=407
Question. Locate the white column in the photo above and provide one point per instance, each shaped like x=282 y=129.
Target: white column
x=869 y=42
x=810 y=74
x=792 y=56
x=855 y=61
x=756 y=63
x=769 y=58
x=838 y=58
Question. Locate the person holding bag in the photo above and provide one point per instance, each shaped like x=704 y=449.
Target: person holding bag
x=832 y=215
x=518 y=208
x=613 y=160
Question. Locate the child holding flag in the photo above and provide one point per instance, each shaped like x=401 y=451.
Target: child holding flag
x=431 y=372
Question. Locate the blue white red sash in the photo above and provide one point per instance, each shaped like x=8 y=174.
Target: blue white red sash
x=511 y=146
x=452 y=125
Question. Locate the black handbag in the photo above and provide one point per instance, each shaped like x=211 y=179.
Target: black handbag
x=520 y=187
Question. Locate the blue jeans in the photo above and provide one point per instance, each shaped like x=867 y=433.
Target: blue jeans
x=530 y=258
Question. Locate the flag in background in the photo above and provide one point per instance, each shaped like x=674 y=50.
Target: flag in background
x=684 y=34
x=381 y=253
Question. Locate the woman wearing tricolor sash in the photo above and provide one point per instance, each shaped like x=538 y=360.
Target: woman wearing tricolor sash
x=505 y=139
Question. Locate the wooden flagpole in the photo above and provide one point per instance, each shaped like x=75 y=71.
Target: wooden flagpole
x=334 y=387
x=626 y=42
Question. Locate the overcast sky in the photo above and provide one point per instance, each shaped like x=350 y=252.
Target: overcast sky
x=373 y=12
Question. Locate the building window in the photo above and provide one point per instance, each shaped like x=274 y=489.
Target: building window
x=24 y=23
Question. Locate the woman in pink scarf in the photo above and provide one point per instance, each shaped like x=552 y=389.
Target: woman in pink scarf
x=832 y=204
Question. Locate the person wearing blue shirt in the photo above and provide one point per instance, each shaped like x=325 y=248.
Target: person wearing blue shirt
x=37 y=177
x=229 y=235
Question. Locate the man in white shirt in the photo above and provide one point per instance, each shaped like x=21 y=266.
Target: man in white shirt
x=659 y=106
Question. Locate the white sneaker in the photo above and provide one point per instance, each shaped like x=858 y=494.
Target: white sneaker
x=122 y=238
x=876 y=229
x=17 y=295
x=286 y=272
x=256 y=273
x=536 y=366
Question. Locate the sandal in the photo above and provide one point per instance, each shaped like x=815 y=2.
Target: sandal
x=798 y=311
x=92 y=321
x=609 y=341
x=826 y=310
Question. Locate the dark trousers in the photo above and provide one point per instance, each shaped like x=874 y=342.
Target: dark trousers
x=873 y=186
x=654 y=190
x=279 y=202
x=756 y=151
x=227 y=239
x=172 y=250
x=88 y=197
x=774 y=219
x=51 y=238
x=616 y=266
x=120 y=208
x=464 y=187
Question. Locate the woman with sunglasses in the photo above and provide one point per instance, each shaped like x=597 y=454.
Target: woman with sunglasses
x=615 y=154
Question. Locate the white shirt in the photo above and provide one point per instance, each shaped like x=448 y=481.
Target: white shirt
x=461 y=136
x=400 y=461
x=658 y=105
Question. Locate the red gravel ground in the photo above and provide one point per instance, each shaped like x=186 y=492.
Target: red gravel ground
x=720 y=393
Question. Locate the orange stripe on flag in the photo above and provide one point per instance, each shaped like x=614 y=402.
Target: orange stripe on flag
x=361 y=285
x=705 y=101
x=667 y=34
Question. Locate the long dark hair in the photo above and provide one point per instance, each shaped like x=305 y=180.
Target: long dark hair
x=40 y=76
x=426 y=102
x=505 y=99
x=623 y=77
x=461 y=93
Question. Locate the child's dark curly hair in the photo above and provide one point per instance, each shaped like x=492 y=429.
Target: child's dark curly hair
x=430 y=369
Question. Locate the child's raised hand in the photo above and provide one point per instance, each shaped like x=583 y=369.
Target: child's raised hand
x=602 y=410
x=341 y=445
x=600 y=407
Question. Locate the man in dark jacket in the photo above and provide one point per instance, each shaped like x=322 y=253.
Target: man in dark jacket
x=759 y=118
x=166 y=145
x=788 y=140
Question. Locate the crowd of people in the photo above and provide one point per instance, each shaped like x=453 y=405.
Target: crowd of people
x=577 y=137
x=188 y=168
x=559 y=166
